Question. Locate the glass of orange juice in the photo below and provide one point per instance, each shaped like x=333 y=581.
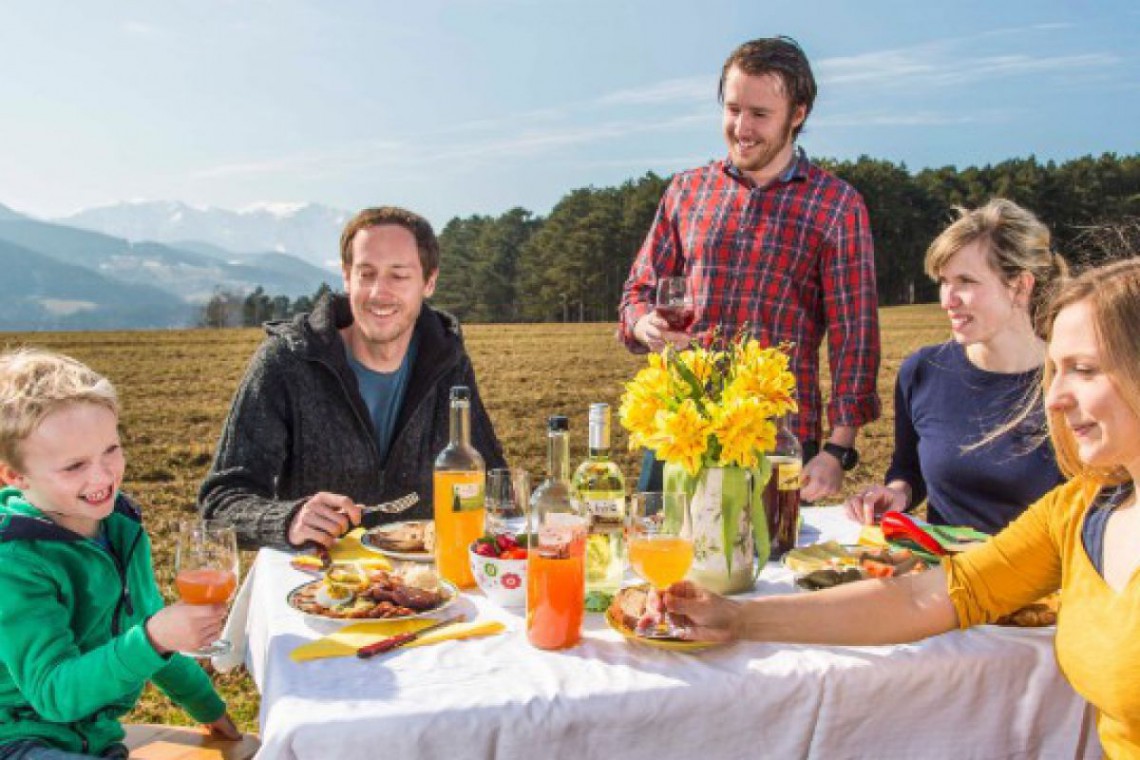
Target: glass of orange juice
x=206 y=570
x=660 y=545
x=556 y=582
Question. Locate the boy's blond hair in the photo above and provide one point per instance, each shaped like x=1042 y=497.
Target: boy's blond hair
x=33 y=384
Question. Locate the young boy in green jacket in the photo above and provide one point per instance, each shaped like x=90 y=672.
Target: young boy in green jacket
x=82 y=622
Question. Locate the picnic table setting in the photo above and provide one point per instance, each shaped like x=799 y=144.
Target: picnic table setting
x=521 y=624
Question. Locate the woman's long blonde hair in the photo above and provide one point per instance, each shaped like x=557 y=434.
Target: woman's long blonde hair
x=1113 y=292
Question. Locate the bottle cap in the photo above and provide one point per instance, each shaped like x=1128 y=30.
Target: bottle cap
x=557 y=423
x=599 y=412
x=460 y=393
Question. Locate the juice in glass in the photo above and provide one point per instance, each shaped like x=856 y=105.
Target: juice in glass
x=205 y=586
x=662 y=560
x=459 y=514
x=555 y=595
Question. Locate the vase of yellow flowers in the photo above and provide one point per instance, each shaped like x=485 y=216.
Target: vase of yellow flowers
x=711 y=415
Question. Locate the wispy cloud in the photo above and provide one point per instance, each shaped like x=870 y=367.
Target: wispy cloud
x=140 y=28
x=946 y=62
x=684 y=103
x=688 y=89
x=312 y=163
x=885 y=119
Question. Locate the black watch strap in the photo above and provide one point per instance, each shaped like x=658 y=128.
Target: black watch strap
x=847 y=455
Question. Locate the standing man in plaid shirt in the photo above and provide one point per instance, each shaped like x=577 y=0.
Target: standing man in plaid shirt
x=769 y=240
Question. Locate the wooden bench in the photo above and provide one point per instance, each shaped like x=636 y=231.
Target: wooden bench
x=156 y=742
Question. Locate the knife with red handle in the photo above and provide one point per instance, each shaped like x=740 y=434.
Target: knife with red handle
x=400 y=639
x=900 y=525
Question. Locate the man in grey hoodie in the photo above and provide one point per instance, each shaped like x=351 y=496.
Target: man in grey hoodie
x=347 y=405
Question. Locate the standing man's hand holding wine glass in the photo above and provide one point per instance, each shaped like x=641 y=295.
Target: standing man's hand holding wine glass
x=673 y=314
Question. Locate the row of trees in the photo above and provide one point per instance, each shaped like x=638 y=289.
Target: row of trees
x=571 y=264
x=228 y=308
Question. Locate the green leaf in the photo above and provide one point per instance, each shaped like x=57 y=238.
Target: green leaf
x=760 y=476
x=598 y=601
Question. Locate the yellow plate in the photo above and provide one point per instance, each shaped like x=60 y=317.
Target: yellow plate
x=676 y=645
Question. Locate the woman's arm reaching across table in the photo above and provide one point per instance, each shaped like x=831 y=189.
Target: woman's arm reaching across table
x=889 y=611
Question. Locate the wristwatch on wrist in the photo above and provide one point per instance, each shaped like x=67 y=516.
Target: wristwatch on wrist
x=847 y=455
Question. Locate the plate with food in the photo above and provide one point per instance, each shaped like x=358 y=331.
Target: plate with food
x=347 y=594
x=829 y=564
x=411 y=540
x=628 y=606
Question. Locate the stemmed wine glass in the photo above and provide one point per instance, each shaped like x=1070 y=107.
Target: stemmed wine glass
x=206 y=570
x=675 y=303
x=660 y=541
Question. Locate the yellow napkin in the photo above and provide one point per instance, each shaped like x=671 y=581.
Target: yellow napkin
x=872 y=535
x=347 y=640
x=347 y=549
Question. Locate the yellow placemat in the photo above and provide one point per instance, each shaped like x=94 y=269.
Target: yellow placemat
x=347 y=640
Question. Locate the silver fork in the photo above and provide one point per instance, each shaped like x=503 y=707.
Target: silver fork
x=402 y=504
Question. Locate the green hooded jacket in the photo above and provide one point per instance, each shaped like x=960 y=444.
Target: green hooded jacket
x=73 y=649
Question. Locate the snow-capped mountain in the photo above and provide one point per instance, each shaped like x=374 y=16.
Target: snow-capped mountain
x=309 y=231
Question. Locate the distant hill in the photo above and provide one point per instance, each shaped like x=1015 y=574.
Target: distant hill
x=185 y=279
x=7 y=214
x=309 y=231
x=42 y=293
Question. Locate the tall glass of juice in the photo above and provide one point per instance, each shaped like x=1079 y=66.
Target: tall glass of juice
x=206 y=570
x=556 y=562
x=556 y=583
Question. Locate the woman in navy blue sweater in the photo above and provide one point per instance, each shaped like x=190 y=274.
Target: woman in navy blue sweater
x=953 y=448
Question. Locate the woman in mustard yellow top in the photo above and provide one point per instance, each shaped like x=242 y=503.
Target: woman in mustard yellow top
x=1082 y=538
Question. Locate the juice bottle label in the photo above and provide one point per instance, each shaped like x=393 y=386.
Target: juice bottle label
x=467 y=497
x=788 y=476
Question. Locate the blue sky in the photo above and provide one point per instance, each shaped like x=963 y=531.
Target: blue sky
x=475 y=106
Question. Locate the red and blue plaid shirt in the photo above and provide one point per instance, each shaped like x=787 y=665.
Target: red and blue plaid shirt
x=790 y=260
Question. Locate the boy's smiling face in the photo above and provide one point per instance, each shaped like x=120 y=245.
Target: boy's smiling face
x=72 y=466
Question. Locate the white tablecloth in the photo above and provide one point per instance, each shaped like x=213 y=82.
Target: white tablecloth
x=984 y=693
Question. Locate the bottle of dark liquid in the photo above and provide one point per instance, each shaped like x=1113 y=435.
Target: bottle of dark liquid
x=782 y=494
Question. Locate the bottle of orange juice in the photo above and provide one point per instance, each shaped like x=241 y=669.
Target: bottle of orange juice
x=556 y=571
x=457 y=484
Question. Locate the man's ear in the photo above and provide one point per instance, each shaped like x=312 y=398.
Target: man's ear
x=429 y=286
x=10 y=477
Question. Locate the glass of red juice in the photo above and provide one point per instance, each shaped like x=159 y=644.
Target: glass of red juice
x=206 y=570
x=675 y=303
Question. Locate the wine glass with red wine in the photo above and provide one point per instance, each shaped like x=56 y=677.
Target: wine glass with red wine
x=675 y=303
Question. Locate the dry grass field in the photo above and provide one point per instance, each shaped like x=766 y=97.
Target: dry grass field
x=176 y=388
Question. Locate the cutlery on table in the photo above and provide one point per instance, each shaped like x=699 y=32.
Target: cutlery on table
x=399 y=640
x=371 y=516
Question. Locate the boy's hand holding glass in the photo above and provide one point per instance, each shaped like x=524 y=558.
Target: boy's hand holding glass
x=206 y=574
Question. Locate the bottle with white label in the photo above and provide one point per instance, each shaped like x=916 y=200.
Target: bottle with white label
x=598 y=489
x=457 y=484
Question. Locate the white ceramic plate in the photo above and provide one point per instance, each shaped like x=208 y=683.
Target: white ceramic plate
x=450 y=594
x=367 y=541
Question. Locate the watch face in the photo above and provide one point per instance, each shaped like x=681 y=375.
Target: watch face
x=848 y=457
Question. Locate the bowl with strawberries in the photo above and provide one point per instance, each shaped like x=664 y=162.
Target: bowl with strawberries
x=498 y=563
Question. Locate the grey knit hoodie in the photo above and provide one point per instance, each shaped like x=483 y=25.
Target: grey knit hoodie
x=298 y=425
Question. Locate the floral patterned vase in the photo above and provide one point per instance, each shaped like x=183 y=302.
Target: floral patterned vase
x=730 y=530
